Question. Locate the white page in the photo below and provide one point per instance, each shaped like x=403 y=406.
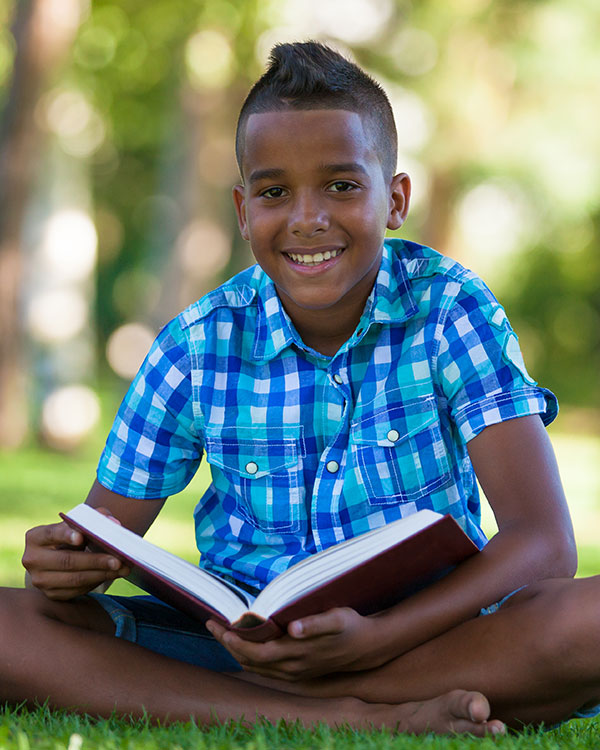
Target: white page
x=191 y=578
x=328 y=564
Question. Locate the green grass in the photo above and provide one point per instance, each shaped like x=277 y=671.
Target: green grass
x=55 y=730
x=35 y=485
x=21 y=729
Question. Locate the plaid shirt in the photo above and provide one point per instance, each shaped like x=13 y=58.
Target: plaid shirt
x=307 y=450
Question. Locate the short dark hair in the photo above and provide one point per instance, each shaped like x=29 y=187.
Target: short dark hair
x=311 y=75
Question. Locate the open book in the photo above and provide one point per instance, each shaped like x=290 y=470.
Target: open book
x=369 y=573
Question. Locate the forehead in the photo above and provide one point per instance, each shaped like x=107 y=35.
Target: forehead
x=287 y=138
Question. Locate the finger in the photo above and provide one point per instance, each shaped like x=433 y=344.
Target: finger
x=71 y=581
x=291 y=671
x=215 y=629
x=332 y=622
x=54 y=535
x=270 y=653
x=219 y=632
x=49 y=559
x=69 y=593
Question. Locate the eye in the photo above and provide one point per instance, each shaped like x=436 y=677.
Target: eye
x=341 y=186
x=272 y=192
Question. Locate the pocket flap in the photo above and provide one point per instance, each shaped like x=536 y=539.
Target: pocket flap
x=391 y=425
x=254 y=452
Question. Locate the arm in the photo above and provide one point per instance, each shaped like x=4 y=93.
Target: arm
x=515 y=464
x=57 y=561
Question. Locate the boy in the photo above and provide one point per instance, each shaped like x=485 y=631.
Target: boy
x=341 y=383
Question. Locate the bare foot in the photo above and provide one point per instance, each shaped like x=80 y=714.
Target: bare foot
x=457 y=712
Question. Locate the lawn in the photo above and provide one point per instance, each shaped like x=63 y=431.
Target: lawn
x=35 y=485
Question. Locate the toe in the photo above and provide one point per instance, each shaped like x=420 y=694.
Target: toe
x=470 y=705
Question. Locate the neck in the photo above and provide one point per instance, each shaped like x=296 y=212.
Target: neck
x=326 y=330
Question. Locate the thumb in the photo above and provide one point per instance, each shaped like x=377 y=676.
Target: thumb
x=327 y=623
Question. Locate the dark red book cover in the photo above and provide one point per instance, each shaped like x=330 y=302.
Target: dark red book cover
x=382 y=581
x=369 y=587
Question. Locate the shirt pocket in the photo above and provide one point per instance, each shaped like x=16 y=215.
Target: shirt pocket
x=263 y=469
x=399 y=452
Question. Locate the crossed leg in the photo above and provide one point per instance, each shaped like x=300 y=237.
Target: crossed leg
x=536 y=660
x=66 y=654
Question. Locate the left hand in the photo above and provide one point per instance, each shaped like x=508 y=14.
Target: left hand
x=339 y=640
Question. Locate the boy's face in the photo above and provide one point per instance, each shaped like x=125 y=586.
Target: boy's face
x=315 y=206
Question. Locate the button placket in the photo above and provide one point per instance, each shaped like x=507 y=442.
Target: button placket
x=332 y=467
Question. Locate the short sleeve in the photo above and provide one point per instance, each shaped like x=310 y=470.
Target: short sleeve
x=152 y=450
x=480 y=366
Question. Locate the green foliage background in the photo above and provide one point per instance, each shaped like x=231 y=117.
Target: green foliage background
x=510 y=92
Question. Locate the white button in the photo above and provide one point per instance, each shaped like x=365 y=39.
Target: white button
x=393 y=436
x=251 y=467
x=332 y=466
x=338 y=379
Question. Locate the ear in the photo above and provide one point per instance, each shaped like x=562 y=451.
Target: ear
x=399 y=200
x=239 y=201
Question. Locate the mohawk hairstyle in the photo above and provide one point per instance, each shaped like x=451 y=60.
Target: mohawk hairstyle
x=311 y=75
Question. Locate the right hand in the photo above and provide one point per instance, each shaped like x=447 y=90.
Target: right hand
x=58 y=563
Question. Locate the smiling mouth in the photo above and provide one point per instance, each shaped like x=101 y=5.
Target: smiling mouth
x=316 y=258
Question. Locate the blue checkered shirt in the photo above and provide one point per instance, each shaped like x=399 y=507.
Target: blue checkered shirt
x=307 y=450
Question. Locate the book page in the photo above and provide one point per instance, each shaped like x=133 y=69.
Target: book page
x=152 y=560
x=328 y=564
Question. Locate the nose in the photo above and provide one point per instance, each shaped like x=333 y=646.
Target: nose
x=307 y=215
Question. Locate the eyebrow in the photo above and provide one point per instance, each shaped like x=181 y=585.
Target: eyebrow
x=265 y=174
x=275 y=172
x=350 y=166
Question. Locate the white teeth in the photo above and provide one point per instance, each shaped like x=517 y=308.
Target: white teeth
x=313 y=260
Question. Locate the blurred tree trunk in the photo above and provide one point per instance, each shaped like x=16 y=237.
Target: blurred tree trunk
x=43 y=31
x=437 y=228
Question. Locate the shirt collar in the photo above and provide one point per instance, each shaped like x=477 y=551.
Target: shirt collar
x=392 y=298
x=274 y=330
x=391 y=301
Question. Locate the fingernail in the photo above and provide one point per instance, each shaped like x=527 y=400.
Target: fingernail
x=114 y=564
x=297 y=628
x=209 y=627
x=74 y=537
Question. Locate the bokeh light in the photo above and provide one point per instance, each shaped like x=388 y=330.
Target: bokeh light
x=127 y=347
x=209 y=59
x=57 y=315
x=69 y=245
x=69 y=414
x=492 y=221
x=414 y=51
x=68 y=114
x=203 y=248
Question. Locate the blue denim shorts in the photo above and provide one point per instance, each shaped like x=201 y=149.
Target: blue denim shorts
x=158 y=627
